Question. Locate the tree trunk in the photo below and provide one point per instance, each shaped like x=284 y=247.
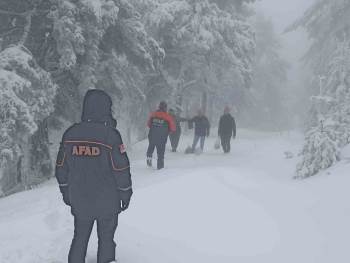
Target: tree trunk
x=211 y=108
x=19 y=170
x=27 y=27
x=204 y=102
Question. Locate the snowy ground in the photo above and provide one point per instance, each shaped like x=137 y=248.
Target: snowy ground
x=241 y=207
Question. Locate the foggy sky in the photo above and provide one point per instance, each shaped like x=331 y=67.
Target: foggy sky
x=295 y=44
x=283 y=12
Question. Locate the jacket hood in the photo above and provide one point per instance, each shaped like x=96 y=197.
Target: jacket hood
x=97 y=106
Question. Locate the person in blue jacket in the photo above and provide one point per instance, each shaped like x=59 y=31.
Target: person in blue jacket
x=93 y=173
x=201 y=129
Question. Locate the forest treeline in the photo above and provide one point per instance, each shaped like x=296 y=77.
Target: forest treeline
x=192 y=53
x=328 y=124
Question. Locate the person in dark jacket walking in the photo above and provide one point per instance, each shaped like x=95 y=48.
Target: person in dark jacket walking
x=160 y=124
x=93 y=173
x=227 y=130
x=175 y=136
x=201 y=129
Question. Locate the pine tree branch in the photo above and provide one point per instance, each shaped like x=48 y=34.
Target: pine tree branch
x=28 y=26
x=5 y=12
x=9 y=31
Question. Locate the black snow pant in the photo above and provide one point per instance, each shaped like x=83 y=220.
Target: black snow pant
x=174 y=140
x=226 y=142
x=160 y=145
x=105 y=232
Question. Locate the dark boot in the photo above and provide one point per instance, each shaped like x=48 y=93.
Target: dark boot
x=160 y=164
x=149 y=161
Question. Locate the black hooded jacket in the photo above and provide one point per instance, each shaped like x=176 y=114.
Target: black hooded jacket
x=92 y=166
x=227 y=125
x=201 y=125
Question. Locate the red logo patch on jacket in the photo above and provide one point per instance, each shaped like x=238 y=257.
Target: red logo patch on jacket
x=82 y=150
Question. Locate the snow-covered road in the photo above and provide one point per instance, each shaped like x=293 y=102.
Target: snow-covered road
x=242 y=207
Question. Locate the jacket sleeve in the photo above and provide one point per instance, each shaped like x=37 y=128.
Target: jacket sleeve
x=220 y=126
x=172 y=124
x=234 y=128
x=208 y=127
x=191 y=122
x=62 y=170
x=120 y=164
x=149 y=122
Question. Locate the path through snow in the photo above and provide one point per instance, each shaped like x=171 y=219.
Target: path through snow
x=242 y=207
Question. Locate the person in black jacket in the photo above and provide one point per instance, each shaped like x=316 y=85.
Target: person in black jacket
x=175 y=136
x=160 y=124
x=201 y=129
x=93 y=173
x=227 y=130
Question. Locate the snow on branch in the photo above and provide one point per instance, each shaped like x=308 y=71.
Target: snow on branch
x=11 y=13
x=26 y=98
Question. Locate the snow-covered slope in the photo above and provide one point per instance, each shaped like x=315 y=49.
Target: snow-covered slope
x=242 y=207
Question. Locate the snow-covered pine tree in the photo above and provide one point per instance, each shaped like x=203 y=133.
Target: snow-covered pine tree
x=95 y=39
x=26 y=99
x=324 y=21
x=24 y=28
x=82 y=44
x=338 y=87
x=320 y=151
x=208 y=50
x=331 y=111
x=104 y=44
x=238 y=6
x=328 y=26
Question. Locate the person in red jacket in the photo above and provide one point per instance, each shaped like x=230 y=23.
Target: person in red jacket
x=160 y=124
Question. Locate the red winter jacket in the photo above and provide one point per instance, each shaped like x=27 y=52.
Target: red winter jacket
x=161 y=124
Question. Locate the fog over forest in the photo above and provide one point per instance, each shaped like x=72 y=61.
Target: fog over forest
x=294 y=46
x=175 y=75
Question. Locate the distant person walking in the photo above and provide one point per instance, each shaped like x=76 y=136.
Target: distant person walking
x=175 y=136
x=227 y=130
x=201 y=129
x=160 y=124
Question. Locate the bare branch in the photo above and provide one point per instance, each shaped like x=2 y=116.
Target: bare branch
x=188 y=84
